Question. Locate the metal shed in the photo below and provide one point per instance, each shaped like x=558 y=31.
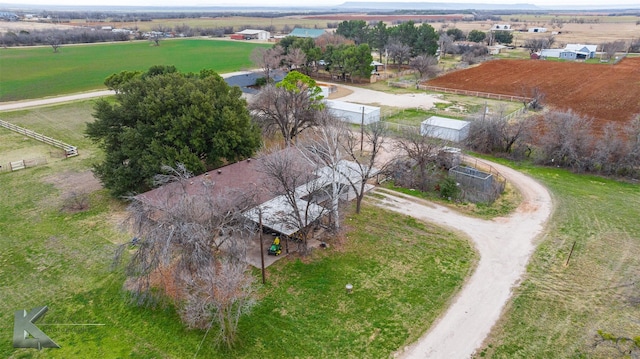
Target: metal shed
x=445 y=128
x=353 y=113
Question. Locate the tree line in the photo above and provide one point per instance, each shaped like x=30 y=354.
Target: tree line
x=562 y=139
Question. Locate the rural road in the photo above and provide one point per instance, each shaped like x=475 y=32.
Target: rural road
x=505 y=246
x=8 y=106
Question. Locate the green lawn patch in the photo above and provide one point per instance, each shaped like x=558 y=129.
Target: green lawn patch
x=29 y=73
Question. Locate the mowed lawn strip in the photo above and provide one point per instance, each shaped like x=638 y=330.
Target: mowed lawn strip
x=557 y=311
x=29 y=73
x=404 y=273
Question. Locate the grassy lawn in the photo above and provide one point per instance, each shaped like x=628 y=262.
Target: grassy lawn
x=29 y=73
x=558 y=309
x=404 y=273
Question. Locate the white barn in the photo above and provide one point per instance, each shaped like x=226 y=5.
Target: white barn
x=255 y=34
x=445 y=128
x=353 y=113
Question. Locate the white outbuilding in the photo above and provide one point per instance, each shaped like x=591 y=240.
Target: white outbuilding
x=445 y=128
x=353 y=113
x=254 y=34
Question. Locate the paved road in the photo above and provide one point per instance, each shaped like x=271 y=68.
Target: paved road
x=505 y=246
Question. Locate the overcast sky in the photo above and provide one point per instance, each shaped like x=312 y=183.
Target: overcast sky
x=174 y=3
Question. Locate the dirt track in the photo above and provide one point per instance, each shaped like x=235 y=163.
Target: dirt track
x=604 y=92
x=505 y=246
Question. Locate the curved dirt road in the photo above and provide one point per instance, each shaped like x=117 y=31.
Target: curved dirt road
x=505 y=246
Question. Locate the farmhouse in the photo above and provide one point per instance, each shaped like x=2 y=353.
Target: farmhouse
x=246 y=177
x=578 y=51
x=445 y=128
x=249 y=34
x=303 y=32
x=571 y=52
x=353 y=113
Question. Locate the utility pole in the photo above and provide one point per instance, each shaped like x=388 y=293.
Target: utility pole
x=261 y=246
x=362 y=130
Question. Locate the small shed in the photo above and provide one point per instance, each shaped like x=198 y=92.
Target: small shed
x=445 y=128
x=537 y=29
x=353 y=113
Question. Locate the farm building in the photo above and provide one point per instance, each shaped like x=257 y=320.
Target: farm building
x=571 y=52
x=537 y=29
x=249 y=34
x=445 y=128
x=354 y=113
x=377 y=66
x=302 y=32
x=578 y=51
x=550 y=53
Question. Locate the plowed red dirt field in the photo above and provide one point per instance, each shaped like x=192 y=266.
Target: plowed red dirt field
x=604 y=92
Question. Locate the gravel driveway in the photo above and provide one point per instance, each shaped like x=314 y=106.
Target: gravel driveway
x=505 y=245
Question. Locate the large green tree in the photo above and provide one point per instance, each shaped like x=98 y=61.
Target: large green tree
x=162 y=117
x=476 y=36
x=356 y=30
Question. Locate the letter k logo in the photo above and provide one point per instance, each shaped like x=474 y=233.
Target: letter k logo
x=23 y=327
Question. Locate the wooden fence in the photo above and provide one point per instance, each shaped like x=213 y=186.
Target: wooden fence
x=494 y=96
x=69 y=150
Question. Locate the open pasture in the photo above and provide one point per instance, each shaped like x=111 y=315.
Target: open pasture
x=29 y=73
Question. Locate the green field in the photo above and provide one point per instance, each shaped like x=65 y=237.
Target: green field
x=28 y=73
x=404 y=273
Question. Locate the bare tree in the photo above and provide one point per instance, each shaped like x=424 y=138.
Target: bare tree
x=611 y=149
x=332 y=39
x=426 y=65
x=421 y=150
x=55 y=41
x=532 y=97
x=446 y=43
x=364 y=159
x=295 y=58
x=292 y=176
x=398 y=51
x=538 y=43
x=267 y=59
x=611 y=48
x=494 y=133
x=189 y=238
x=325 y=148
x=566 y=141
x=289 y=109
